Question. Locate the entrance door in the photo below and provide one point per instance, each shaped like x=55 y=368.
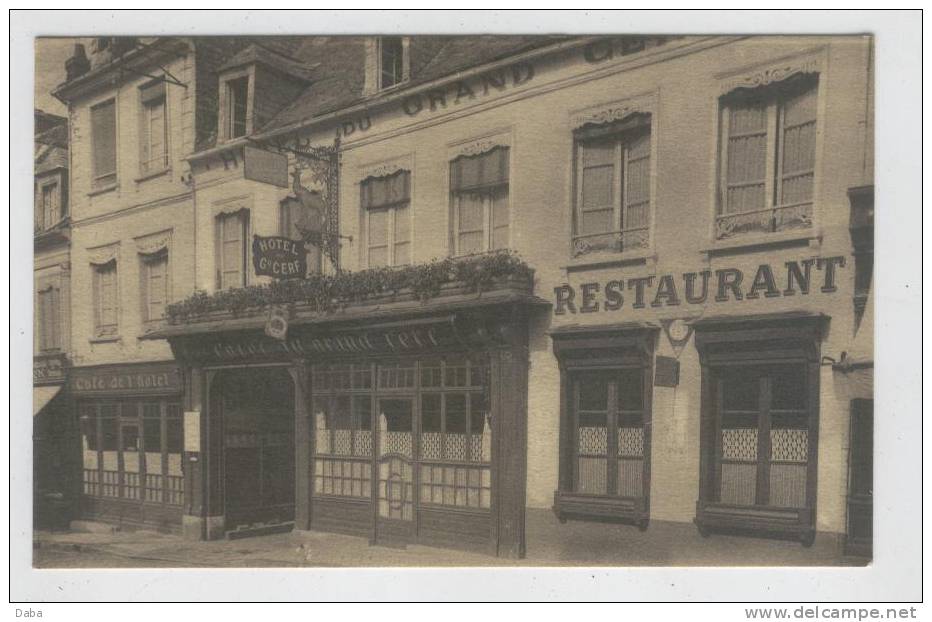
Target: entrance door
x=861 y=479
x=258 y=447
x=395 y=462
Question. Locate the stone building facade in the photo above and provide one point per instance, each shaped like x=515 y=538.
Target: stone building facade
x=677 y=343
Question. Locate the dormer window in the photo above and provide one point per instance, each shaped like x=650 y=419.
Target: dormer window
x=391 y=61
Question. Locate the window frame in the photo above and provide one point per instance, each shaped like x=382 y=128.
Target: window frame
x=622 y=133
x=44 y=322
x=404 y=61
x=243 y=216
x=775 y=96
x=146 y=262
x=488 y=194
x=102 y=330
x=228 y=118
x=50 y=219
x=102 y=181
x=145 y=132
x=392 y=214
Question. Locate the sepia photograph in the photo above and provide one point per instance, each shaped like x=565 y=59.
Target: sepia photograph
x=453 y=300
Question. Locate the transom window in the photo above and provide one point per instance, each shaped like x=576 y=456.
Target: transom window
x=613 y=188
x=153 y=131
x=387 y=219
x=768 y=158
x=479 y=193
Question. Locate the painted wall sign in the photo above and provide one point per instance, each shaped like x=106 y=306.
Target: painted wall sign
x=128 y=379
x=463 y=91
x=725 y=285
x=282 y=258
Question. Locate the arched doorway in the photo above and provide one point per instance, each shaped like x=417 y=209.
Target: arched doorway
x=258 y=446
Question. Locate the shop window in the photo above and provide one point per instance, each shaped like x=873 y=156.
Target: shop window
x=479 y=195
x=232 y=251
x=386 y=205
x=613 y=186
x=132 y=451
x=759 y=426
x=392 y=54
x=767 y=161
x=153 y=129
x=154 y=285
x=237 y=112
x=105 y=299
x=49 y=319
x=104 y=144
x=609 y=432
x=606 y=377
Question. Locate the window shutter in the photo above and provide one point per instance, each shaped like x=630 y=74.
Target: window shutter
x=746 y=160
x=103 y=128
x=380 y=192
x=485 y=170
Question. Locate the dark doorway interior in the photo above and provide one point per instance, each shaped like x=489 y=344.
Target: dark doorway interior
x=258 y=447
x=861 y=479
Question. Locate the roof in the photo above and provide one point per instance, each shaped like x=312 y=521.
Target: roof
x=51 y=149
x=272 y=55
x=339 y=72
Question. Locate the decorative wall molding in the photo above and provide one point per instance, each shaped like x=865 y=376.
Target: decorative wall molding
x=153 y=243
x=102 y=255
x=480 y=146
x=614 y=111
x=770 y=73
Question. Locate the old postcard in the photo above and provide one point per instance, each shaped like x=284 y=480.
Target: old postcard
x=454 y=300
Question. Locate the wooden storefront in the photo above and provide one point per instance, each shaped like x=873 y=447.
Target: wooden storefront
x=130 y=435
x=398 y=421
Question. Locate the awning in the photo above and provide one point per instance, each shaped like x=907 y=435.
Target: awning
x=41 y=396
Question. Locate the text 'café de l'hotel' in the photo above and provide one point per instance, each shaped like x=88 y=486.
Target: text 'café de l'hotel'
x=474 y=292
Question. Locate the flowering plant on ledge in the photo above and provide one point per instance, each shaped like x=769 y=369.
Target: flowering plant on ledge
x=326 y=292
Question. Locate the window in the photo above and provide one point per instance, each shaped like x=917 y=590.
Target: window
x=767 y=163
x=613 y=186
x=608 y=429
x=154 y=286
x=103 y=137
x=479 y=189
x=391 y=61
x=237 y=107
x=232 y=230
x=763 y=448
x=49 y=316
x=105 y=299
x=132 y=451
x=386 y=206
x=153 y=131
x=50 y=205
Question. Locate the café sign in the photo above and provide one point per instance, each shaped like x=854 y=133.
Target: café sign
x=278 y=257
x=130 y=379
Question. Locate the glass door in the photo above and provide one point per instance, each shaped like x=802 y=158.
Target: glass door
x=395 y=465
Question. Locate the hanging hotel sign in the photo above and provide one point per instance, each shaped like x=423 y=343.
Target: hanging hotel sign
x=278 y=257
x=724 y=285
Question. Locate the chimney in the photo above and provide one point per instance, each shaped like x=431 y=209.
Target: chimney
x=78 y=64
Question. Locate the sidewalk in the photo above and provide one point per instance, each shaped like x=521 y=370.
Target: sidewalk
x=549 y=544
